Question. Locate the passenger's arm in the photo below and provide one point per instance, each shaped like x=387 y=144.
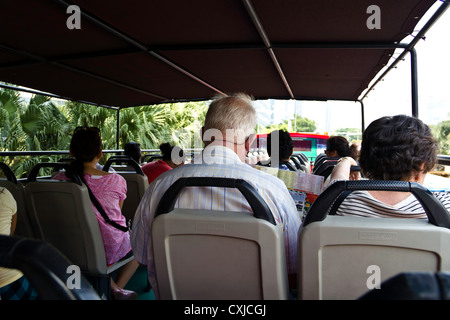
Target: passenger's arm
x=342 y=170
x=13 y=224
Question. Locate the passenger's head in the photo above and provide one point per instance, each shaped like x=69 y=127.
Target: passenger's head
x=85 y=146
x=133 y=149
x=233 y=116
x=283 y=139
x=338 y=146
x=230 y=120
x=172 y=155
x=396 y=148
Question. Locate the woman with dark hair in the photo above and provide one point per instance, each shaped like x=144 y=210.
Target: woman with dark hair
x=173 y=157
x=133 y=150
x=110 y=190
x=338 y=146
x=280 y=145
x=398 y=148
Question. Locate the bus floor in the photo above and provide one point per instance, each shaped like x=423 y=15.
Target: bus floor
x=138 y=284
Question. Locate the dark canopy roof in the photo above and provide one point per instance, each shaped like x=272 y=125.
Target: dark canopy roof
x=138 y=52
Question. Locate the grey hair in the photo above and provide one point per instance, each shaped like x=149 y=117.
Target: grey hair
x=232 y=114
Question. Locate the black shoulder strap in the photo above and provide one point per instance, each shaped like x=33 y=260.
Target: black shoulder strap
x=103 y=213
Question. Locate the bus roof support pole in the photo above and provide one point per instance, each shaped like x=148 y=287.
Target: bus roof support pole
x=117 y=129
x=362 y=116
x=414 y=84
x=259 y=27
x=421 y=35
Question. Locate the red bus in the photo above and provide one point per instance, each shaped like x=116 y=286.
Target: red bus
x=310 y=144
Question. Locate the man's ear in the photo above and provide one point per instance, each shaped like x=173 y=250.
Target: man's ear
x=251 y=138
x=202 y=132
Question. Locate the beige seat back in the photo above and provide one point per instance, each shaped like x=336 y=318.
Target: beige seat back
x=202 y=254
x=137 y=184
x=343 y=257
x=67 y=220
x=66 y=217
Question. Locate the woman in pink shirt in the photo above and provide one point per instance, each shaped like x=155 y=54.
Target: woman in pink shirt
x=110 y=191
x=173 y=156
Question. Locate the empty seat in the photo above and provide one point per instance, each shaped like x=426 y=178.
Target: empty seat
x=304 y=162
x=324 y=163
x=65 y=215
x=200 y=254
x=137 y=183
x=298 y=165
x=25 y=226
x=150 y=157
x=319 y=159
x=303 y=156
x=338 y=254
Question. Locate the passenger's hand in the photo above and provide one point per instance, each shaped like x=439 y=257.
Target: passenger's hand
x=342 y=170
x=354 y=175
x=350 y=159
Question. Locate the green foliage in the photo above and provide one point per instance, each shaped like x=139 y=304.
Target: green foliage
x=298 y=124
x=441 y=132
x=353 y=135
x=43 y=125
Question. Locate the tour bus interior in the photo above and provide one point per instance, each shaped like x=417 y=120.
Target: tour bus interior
x=120 y=55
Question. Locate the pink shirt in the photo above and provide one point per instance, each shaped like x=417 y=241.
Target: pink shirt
x=153 y=169
x=109 y=190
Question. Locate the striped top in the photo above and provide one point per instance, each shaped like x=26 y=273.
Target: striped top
x=363 y=204
x=216 y=161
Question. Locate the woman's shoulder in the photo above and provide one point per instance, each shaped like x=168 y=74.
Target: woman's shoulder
x=6 y=195
x=444 y=197
x=116 y=176
x=442 y=194
x=154 y=163
x=112 y=176
x=112 y=182
x=159 y=165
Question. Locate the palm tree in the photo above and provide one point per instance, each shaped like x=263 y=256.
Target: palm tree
x=43 y=124
x=36 y=126
x=153 y=125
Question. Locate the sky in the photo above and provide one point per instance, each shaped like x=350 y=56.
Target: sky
x=393 y=95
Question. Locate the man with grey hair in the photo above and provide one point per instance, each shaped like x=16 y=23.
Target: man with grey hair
x=228 y=133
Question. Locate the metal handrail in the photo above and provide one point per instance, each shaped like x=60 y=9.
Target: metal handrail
x=442 y=159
